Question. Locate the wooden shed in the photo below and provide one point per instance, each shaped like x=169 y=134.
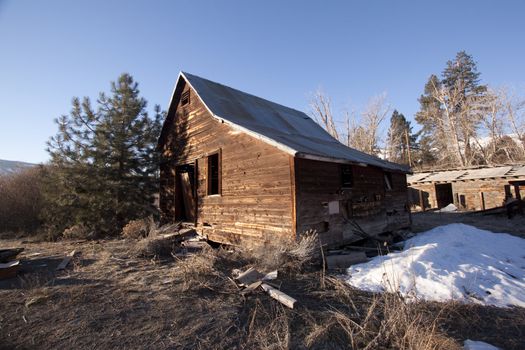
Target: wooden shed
x=245 y=170
x=468 y=189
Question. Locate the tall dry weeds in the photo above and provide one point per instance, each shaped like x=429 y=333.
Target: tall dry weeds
x=337 y=316
x=287 y=254
x=379 y=321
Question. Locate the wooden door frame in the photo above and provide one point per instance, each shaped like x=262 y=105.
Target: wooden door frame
x=178 y=212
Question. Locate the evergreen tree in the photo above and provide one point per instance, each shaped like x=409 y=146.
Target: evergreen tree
x=428 y=116
x=400 y=140
x=104 y=162
x=462 y=71
x=451 y=110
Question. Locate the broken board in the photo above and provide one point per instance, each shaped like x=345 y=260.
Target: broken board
x=66 y=261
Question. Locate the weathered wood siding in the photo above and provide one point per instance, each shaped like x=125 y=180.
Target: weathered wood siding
x=478 y=194
x=256 y=203
x=367 y=203
x=422 y=194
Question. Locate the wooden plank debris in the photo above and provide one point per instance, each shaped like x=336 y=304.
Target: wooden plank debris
x=270 y=276
x=251 y=287
x=10 y=269
x=7 y=255
x=279 y=296
x=248 y=277
x=66 y=261
x=178 y=236
x=345 y=260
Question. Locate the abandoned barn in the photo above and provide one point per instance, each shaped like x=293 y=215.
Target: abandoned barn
x=468 y=189
x=245 y=170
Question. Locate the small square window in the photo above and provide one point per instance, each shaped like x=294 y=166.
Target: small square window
x=347 y=177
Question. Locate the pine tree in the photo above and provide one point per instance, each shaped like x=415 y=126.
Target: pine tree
x=451 y=110
x=430 y=112
x=104 y=162
x=400 y=140
x=463 y=72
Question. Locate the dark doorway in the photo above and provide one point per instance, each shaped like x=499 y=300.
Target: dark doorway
x=185 y=193
x=444 y=195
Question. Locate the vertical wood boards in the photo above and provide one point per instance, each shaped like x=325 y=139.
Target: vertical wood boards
x=367 y=204
x=478 y=194
x=255 y=203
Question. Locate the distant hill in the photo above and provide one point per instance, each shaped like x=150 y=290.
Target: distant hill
x=11 y=166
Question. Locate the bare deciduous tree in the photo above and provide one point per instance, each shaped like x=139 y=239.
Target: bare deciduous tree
x=320 y=104
x=360 y=131
x=371 y=119
x=502 y=128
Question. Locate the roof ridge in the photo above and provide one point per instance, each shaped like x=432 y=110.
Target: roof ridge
x=288 y=129
x=245 y=93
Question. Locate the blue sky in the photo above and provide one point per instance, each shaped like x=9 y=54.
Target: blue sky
x=52 y=50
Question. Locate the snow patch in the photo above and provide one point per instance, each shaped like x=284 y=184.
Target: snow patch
x=448 y=209
x=451 y=262
x=478 y=345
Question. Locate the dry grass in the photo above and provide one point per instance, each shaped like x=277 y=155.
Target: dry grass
x=111 y=299
x=77 y=232
x=153 y=247
x=286 y=254
x=334 y=316
x=140 y=228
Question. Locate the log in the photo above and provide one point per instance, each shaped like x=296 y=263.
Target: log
x=344 y=261
x=66 y=261
x=279 y=296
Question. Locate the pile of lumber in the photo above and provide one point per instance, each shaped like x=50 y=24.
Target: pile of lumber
x=252 y=280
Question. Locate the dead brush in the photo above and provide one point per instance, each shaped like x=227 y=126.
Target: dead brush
x=140 y=228
x=77 y=232
x=287 y=254
x=152 y=247
x=198 y=271
x=375 y=321
x=269 y=327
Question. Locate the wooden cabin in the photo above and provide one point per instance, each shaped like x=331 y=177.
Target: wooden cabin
x=468 y=189
x=246 y=170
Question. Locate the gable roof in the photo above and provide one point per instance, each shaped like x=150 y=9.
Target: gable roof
x=285 y=128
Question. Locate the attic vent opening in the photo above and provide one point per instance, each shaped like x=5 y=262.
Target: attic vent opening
x=185 y=98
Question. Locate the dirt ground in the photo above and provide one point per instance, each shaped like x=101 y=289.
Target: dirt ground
x=108 y=298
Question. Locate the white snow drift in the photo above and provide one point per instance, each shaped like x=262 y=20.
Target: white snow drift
x=454 y=261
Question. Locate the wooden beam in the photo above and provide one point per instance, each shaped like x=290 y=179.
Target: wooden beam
x=294 y=199
x=279 y=296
